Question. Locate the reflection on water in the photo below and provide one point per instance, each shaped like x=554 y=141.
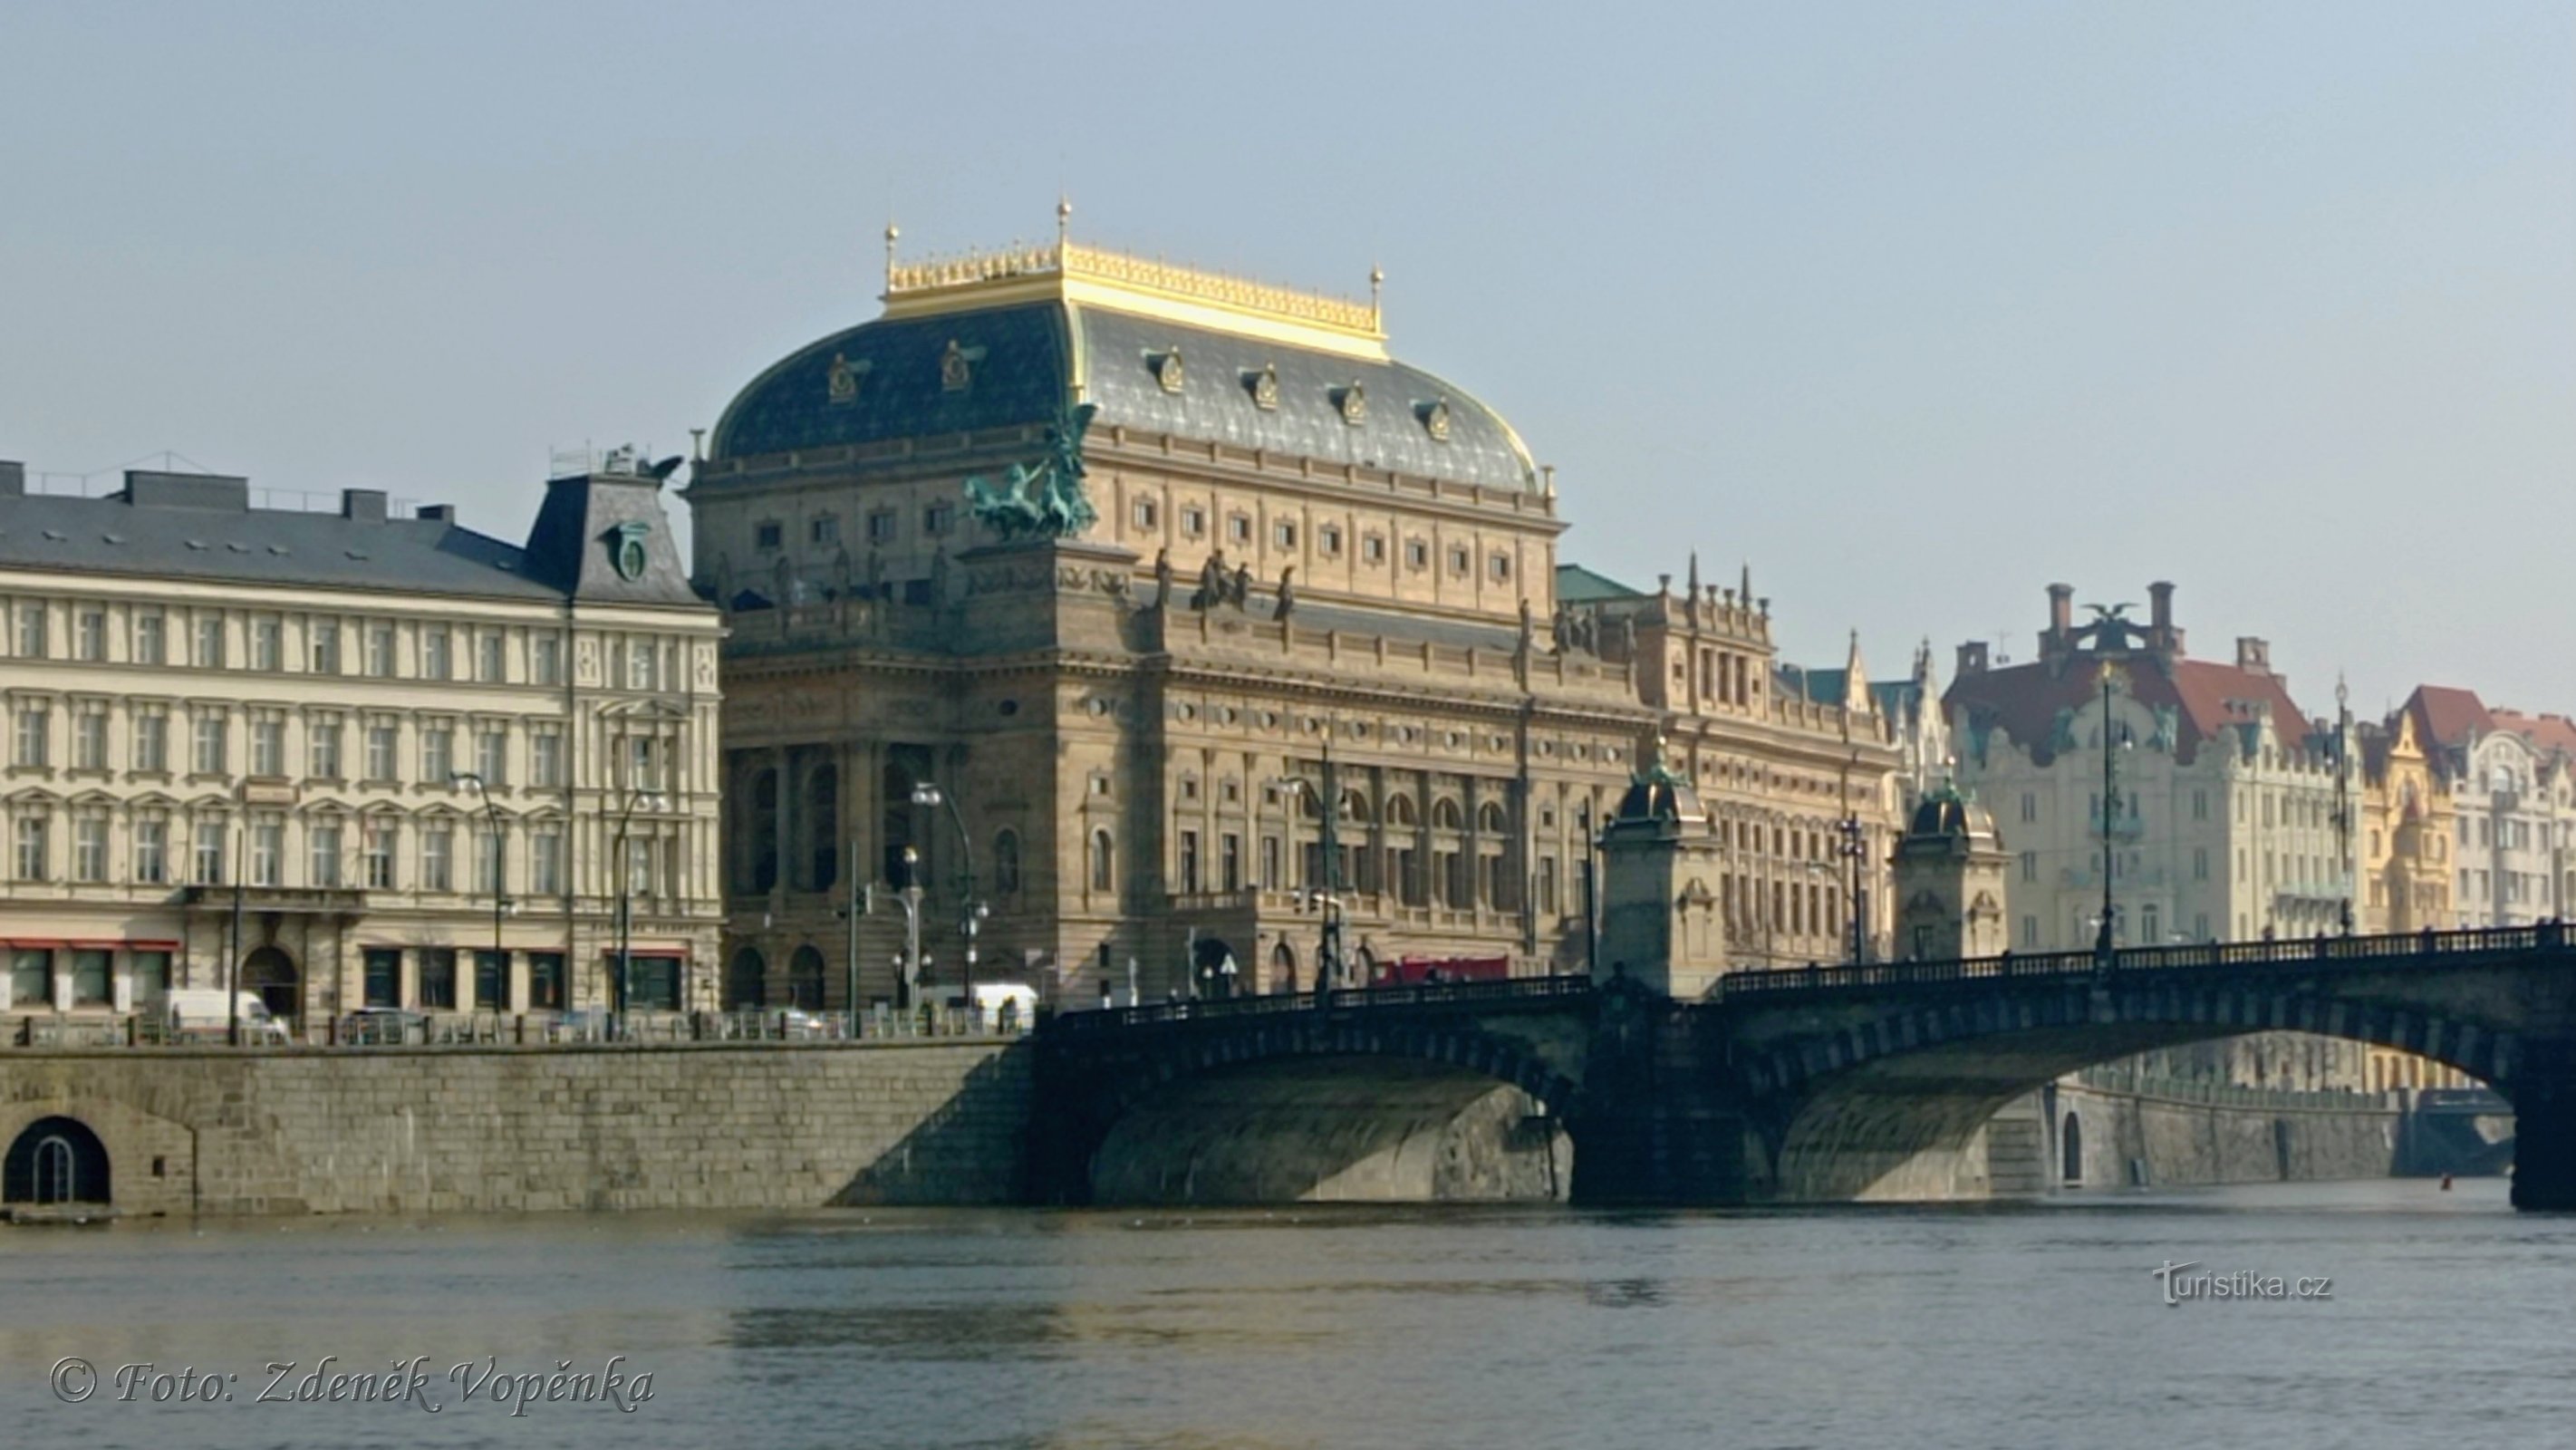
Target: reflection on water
x=2004 y=1326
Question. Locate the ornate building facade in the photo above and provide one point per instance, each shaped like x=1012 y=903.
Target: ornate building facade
x=360 y=759
x=1133 y=611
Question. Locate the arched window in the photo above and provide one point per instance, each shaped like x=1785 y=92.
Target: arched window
x=1399 y=811
x=822 y=827
x=1445 y=815
x=746 y=983
x=1104 y=862
x=1489 y=818
x=2071 y=1145
x=805 y=979
x=1006 y=864
x=1355 y=807
x=1283 y=968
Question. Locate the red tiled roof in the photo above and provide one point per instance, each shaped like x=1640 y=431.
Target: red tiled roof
x=2208 y=697
x=2546 y=732
x=2447 y=716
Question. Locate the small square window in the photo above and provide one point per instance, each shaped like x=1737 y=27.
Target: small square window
x=1373 y=548
x=1329 y=539
x=881 y=527
x=770 y=535
x=824 y=529
x=1194 y=522
x=1284 y=534
x=1238 y=527
x=1501 y=565
x=1458 y=559
x=1417 y=554
x=1145 y=513
x=938 y=519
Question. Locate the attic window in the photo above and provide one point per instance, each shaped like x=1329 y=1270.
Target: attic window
x=238 y=548
x=113 y=538
x=198 y=544
x=57 y=535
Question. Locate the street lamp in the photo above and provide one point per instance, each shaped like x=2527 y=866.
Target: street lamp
x=2112 y=744
x=910 y=896
x=624 y=866
x=1854 y=848
x=501 y=903
x=1327 y=897
x=971 y=913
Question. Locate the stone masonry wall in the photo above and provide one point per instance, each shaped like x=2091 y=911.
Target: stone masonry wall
x=394 y=1130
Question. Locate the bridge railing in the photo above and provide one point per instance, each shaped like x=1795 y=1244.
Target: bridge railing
x=2349 y=950
x=1347 y=999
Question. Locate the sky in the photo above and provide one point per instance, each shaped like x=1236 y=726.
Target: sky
x=1913 y=308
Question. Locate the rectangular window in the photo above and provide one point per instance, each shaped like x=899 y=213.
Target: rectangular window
x=268 y=747
x=384 y=976
x=2030 y=931
x=325 y=842
x=91 y=644
x=152 y=852
x=545 y=981
x=151 y=638
x=89 y=849
x=487 y=656
x=437 y=754
x=1547 y=885
x=2200 y=863
x=547 y=655
x=382 y=844
x=1144 y=513
x=34 y=725
x=2200 y=805
x=210 y=640
x=1230 y=861
x=1189 y=863
x=545 y=861
x=881 y=527
x=31 y=629
x=938 y=519
x=152 y=741
x=89 y=740
x=268 y=853
x=267 y=644
x=2029 y=807
x=438 y=859
x=824 y=529
x=381 y=750
x=1193 y=521
x=769 y=536
x=1373 y=548
x=2030 y=866
x=641 y=659
x=1283 y=533
x=438 y=978
x=1417 y=554
x=492 y=757
x=90 y=978
x=151 y=977
x=643 y=764
x=380 y=651
x=1458 y=560
x=436 y=661
x=31 y=977
x=1238 y=527
x=487 y=862
x=210 y=854
x=1500 y=567
x=492 y=981
x=322 y=749
x=323 y=646
x=545 y=759
x=209 y=744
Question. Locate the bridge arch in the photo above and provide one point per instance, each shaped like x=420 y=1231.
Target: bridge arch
x=1885 y=1103
x=55 y=1160
x=1309 y=1105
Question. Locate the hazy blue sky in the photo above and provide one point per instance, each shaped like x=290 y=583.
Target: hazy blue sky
x=1917 y=307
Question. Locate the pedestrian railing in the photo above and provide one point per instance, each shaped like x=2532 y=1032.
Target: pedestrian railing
x=1349 y=999
x=579 y=1027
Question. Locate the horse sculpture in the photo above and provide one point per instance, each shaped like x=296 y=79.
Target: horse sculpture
x=1045 y=500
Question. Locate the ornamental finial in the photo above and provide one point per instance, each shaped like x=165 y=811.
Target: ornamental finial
x=1063 y=220
x=892 y=234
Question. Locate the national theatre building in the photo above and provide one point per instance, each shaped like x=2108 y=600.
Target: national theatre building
x=1143 y=609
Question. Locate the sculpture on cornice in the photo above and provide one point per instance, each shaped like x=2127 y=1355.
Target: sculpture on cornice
x=1162 y=577
x=2061 y=730
x=1287 y=593
x=1211 y=582
x=2168 y=726
x=1240 y=591
x=1046 y=501
x=1561 y=629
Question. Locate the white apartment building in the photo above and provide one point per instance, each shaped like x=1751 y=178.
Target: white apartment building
x=2512 y=783
x=355 y=759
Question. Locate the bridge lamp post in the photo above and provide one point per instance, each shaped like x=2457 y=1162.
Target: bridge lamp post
x=2103 y=939
x=1327 y=897
x=1854 y=847
x=971 y=913
x=910 y=896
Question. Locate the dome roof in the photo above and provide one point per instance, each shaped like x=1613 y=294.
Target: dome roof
x=1005 y=348
x=1945 y=812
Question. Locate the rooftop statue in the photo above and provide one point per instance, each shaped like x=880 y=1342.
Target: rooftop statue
x=1046 y=501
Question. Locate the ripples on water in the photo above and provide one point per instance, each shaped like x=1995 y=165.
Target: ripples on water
x=2003 y=1327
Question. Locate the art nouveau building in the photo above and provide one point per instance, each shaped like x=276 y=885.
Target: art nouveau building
x=1314 y=638
x=326 y=747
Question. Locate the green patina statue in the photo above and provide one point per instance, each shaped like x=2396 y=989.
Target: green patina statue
x=1045 y=501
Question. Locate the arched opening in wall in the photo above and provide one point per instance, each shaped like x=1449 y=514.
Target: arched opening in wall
x=805 y=979
x=1283 y=968
x=1104 y=861
x=822 y=827
x=762 y=841
x=2070 y=1145
x=1365 y=962
x=746 y=983
x=271 y=973
x=1006 y=864
x=56 y=1160
x=1214 y=969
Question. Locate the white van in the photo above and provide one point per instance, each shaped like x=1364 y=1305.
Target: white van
x=201 y=1013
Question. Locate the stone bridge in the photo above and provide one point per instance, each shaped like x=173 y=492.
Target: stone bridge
x=1822 y=1084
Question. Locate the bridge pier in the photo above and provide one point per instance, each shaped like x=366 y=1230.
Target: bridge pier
x=2543 y=1090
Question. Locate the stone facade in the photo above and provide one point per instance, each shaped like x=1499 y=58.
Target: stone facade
x=337 y=727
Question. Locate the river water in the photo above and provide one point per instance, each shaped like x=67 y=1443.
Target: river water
x=2449 y=1322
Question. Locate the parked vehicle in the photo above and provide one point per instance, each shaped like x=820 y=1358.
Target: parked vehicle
x=377 y=1026
x=203 y=1014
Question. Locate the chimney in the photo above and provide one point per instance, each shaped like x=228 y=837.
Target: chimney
x=2253 y=655
x=13 y=480
x=1972 y=658
x=2061 y=610
x=2160 y=611
x=363 y=505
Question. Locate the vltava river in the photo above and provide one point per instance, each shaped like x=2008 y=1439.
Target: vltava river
x=2449 y=1324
